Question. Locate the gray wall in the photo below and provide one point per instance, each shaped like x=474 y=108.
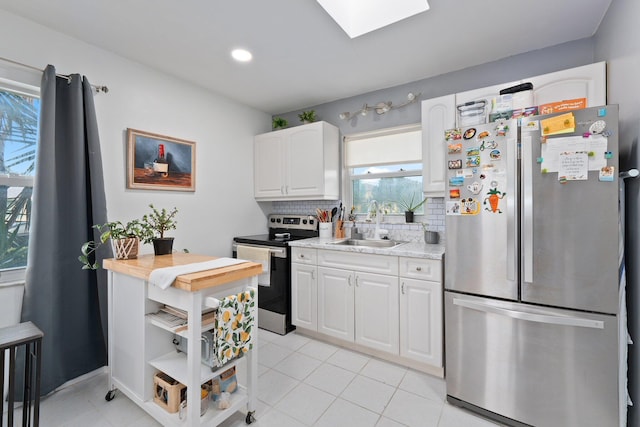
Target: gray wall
x=560 y=57
x=617 y=43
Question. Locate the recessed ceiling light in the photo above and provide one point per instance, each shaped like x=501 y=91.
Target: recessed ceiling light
x=357 y=17
x=241 y=55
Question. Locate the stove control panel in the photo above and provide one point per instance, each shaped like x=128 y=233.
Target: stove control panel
x=291 y=221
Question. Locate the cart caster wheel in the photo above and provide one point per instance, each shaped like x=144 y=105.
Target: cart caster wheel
x=110 y=395
x=250 y=418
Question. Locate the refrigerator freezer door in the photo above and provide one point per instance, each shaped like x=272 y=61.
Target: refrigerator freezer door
x=570 y=230
x=481 y=211
x=539 y=366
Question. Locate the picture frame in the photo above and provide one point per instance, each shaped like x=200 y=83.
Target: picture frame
x=158 y=162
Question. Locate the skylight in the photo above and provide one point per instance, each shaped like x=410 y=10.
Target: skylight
x=358 y=17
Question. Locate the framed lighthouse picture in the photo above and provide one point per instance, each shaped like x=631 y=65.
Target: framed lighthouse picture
x=157 y=162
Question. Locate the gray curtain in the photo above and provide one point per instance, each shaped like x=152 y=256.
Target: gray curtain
x=63 y=300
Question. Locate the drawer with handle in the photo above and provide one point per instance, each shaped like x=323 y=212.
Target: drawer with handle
x=304 y=255
x=420 y=268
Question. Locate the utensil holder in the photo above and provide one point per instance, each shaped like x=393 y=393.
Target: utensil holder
x=340 y=230
x=325 y=229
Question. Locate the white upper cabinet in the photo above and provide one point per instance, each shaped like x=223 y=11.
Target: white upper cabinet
x=269 y=161
x=588 y=82
x=299 y=163
x=438 y=115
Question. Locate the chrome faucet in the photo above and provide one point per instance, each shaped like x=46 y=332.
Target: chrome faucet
x=378 y=212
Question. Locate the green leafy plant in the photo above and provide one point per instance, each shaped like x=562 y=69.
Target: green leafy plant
x=307 y=116
x=157 y=223
x=279 y=122
x=411 y=204
x=111 y=230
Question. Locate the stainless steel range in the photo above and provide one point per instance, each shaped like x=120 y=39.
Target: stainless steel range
x=274 y=300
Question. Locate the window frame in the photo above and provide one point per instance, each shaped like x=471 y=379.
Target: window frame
x=347 y=184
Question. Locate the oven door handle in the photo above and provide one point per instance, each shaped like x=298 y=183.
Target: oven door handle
x=277 y=252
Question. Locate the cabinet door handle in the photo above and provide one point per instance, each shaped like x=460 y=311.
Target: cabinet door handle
x=418 y=268
x=313 y=275
x=349 y=280
x=402 y=288
x=286 y=189
x=282 y=189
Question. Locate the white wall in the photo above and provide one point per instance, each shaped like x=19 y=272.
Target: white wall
x=142 y=98
x=617 y=43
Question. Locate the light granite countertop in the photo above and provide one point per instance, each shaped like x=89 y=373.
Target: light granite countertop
x=409 y=249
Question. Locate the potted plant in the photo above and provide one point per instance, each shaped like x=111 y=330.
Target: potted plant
x=279 y=123
x=124 y=239
x=307 y=116
x=155 y=225
x=410 y=205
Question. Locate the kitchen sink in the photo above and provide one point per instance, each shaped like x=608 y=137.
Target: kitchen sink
x=370 y=243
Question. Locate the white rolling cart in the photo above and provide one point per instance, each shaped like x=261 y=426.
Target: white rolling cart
x=140 y=347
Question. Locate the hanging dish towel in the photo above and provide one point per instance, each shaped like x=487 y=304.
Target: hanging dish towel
x=164 y=277
x=234 y=324
x=260 y=255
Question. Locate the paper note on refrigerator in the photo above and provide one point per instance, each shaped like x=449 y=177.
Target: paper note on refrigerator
x=595 y=146
x=564 y=123
x=573 y=166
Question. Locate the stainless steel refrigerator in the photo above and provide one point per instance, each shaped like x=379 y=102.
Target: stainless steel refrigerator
x=532 y=269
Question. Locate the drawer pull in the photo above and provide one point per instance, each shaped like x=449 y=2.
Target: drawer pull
x=419 y=268
x=301 y=255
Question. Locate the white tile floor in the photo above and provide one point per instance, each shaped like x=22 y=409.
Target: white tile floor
x=302 y=382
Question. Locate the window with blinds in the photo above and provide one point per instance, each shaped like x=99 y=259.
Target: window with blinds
x=385 y=166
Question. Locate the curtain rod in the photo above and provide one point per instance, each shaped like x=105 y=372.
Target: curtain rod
x=97 y=88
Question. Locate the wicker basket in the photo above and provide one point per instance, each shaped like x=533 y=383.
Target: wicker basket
x=125 y=248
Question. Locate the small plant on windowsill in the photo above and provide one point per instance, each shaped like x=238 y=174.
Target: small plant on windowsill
x=307 y=116
x=410 y=205
x=125 y=239
x=155 y=225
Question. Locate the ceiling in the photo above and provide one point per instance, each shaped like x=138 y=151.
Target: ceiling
x=301 y=57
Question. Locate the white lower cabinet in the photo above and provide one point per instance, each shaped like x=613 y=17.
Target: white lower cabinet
x=376 y=306
x=421 y=317
x=304 y=291
x=304 y=288
x=359 y=307
x=388 y=305
x=336 y=299
x=358 y=298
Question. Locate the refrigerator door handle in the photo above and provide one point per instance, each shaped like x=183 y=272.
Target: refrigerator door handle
x=527 y=208
x=512 y=209
x=531 y=317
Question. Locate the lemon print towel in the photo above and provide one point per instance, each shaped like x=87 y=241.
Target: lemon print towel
x=234 y=324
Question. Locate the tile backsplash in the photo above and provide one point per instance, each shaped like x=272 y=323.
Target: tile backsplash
x=398 y=229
